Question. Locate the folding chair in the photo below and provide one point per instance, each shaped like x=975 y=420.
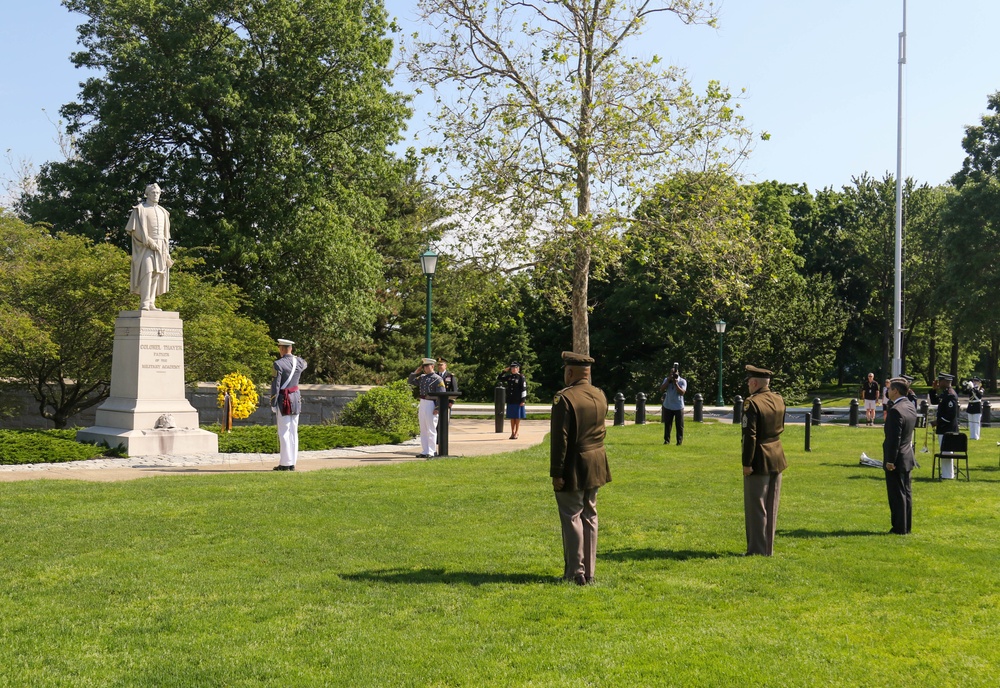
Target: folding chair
x=955 y=445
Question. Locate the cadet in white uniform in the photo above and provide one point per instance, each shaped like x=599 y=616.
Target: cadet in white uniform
x=286 y=403
x=428 y=384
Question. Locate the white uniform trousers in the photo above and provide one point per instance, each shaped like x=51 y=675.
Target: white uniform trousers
x=288 y=438
x=947 y=465
x=975 y=420
x=428 y=427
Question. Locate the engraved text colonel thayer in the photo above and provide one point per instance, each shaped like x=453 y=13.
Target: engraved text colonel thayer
x=149 y=226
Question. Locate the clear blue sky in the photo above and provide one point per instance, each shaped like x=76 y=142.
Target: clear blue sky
x=820 y=76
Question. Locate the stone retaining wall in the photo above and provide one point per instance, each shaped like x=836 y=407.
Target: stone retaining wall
x=320 y=404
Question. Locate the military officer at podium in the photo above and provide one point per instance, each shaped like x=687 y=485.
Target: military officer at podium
x=286 y=403
x=429 y=384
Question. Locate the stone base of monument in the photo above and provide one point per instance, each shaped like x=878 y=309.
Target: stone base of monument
x=147 y=412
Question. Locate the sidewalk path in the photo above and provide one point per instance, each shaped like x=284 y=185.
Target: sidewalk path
x=467 y=437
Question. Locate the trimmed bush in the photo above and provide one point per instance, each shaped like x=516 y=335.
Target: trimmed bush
x=19 y=447
x=263 y=439
x=389 y=409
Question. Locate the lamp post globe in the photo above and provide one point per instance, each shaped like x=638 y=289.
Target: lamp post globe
x=720 y=327
x=428 y=263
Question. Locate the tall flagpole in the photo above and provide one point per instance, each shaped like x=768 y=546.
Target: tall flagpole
x=897 y=324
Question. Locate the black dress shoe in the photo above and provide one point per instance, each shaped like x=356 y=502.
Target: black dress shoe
x=283 y=468
x=679 y=442
x=580 y=580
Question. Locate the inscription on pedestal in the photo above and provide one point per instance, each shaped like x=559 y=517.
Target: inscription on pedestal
x=160 y=357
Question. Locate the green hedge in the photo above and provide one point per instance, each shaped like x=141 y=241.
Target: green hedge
x=18 y=447
x=261 y=439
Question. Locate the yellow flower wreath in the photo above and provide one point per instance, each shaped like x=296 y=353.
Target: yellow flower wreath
x=243 y=393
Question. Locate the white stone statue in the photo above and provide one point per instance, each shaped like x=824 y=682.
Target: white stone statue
x=149 y=226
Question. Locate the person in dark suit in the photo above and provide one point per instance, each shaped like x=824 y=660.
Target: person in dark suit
x=578 y=464
x=763 y=460
x=897 y=457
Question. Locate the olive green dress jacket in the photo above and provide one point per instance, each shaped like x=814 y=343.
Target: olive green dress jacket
x=763 y=423
x=577 y=440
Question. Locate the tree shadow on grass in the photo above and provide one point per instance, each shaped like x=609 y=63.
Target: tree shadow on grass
x=807 y=534
x=438 y=576
x=648 y=554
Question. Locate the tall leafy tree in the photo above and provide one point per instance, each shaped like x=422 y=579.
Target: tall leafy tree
x=267 y=124
x=59 y=297
x=850 y=239
x=972 y=235
x=709 y=248
x=551 y=131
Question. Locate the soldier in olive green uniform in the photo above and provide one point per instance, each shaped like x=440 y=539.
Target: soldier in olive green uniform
x=763 y=460
x=578 y=464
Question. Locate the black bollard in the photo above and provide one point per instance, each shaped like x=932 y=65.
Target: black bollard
x=499 y=406
x=808 y=429
x=817 y=410
x=640 y=408
x=619 y=409
x=737 y=410
x=985 y=422
x=699 y=408
x=442 y=424
x=853 y=422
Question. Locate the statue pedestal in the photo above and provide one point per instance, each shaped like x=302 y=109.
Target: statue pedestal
x=147 y=382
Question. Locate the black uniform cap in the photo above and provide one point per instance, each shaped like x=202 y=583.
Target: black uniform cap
x=946 y=376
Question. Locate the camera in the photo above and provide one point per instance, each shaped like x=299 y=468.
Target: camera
x=675 y=372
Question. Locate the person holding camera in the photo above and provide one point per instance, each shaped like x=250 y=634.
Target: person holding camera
x=673 y=388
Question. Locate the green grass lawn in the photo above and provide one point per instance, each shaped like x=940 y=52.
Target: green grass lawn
x=444 y=573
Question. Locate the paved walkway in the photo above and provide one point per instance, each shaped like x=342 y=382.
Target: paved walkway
x=467 y=437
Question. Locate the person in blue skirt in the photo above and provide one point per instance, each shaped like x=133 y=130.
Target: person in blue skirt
x=517 y=393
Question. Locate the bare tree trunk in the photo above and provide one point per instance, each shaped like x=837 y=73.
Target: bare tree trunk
x=954 y=356
x=581 y=316
x=932 y=353
x=992 y=371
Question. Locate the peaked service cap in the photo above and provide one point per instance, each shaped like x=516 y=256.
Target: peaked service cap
x=754 y=371
x=571 y=358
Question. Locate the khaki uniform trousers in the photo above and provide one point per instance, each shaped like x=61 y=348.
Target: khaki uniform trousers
x=578 y=516
x=761 y=496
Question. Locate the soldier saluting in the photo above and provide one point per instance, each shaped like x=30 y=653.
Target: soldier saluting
x=943 y=394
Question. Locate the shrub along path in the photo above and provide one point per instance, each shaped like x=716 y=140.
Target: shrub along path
x=468 y=437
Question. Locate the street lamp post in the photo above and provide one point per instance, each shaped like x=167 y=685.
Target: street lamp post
x=720 y=327
x=428 y=263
